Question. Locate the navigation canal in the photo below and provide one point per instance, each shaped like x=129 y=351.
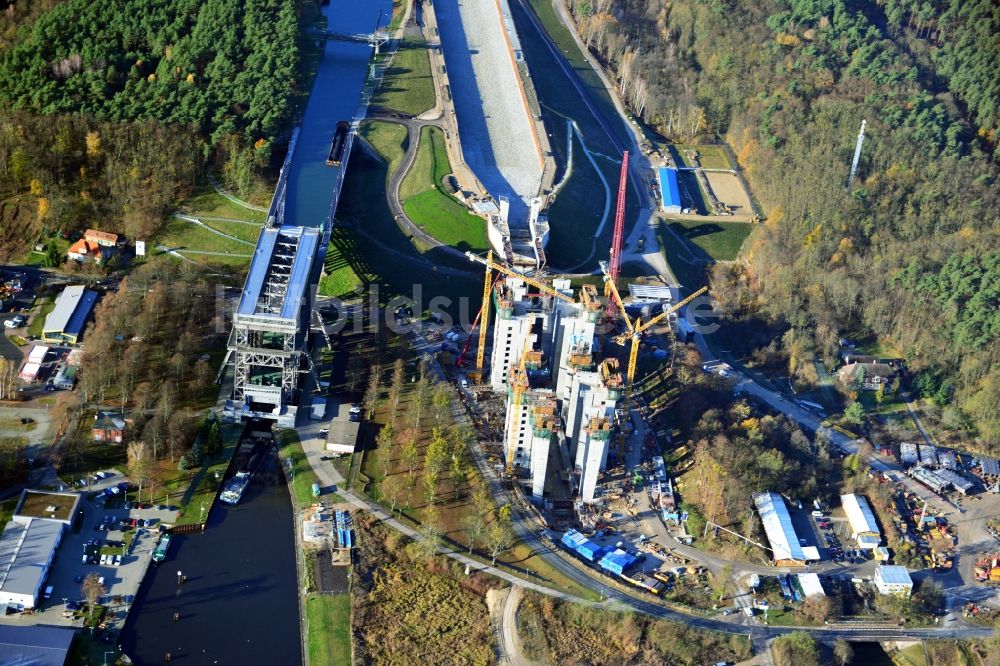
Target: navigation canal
x=239 y=604
x=336 y=96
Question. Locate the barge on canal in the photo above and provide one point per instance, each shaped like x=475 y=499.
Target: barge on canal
x=339 y=143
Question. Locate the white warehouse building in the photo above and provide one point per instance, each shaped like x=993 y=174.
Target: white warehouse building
x=864 y=529
x=27 y=548
x=893 y=579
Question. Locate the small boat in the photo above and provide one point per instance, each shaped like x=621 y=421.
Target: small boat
x=233 y=492
x=339 y=143
x=160 y=553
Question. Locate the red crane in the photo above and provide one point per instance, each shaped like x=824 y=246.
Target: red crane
x=614 y=265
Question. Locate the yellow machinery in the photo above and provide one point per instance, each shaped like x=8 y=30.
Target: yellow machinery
x=487 y=286
x=636 y=328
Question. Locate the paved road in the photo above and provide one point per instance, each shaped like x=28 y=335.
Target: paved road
x=413 y=127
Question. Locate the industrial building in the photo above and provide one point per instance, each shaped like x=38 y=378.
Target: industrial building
x=589 y=415
x=893 y=579
x=66 y=321
x=908 y=454
x=343 y=433
x=929 y=478
x=956 y=480
x=27 y=548
x=269 y=344
x=864 y=528
x=785 y=547
x=810 y=585
x=35 y=645
x=670 y=193
x=33 y=365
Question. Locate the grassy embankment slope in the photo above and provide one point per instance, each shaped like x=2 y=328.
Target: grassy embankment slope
x=429 y=206
x=407 y=86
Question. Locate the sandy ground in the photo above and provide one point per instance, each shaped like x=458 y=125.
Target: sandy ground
x=729 y=191
x=493 y=123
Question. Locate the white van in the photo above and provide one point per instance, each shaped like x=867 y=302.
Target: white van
x=48 y=592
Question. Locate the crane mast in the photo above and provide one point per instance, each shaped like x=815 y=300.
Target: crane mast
x=614 y=263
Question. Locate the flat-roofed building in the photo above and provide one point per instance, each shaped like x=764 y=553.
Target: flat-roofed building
x=27 y=548
x=343 y=433
x=66 y=321
x=811 y=587
x=670 y=193
x=785 y=547
x=60 y=507
x=35 y=645
x=864 y=528
x=893 y=579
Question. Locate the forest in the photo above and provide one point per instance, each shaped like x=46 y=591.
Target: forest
x=908 y=251
x=110 y=111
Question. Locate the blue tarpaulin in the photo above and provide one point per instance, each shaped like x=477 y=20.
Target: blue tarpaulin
x=617 y=561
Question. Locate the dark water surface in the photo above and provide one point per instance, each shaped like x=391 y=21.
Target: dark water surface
x=335 y=96
x=239 y=604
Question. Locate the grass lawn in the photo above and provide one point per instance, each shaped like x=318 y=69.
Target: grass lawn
x=398 y=9
x=721 y=241
x=429 y=206
x=182 y=235
x=43 y=307
x=339 y=279
x=328 y=629
x=372 y=231
x=913 y=655
x=389 y=139
x=690 y=275
x=247 y=232
x=408 y=86
x=209 y=203
x=194 y=490
x=33 y=258
x=710 y=156
x=293 y=461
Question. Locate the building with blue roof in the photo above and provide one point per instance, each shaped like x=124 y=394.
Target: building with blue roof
x=670 y=191
x=66 y=321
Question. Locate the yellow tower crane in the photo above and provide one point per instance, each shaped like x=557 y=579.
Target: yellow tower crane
x=487 y=287
x=636 y=328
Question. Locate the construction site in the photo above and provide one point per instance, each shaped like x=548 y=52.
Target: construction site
x=555 y=365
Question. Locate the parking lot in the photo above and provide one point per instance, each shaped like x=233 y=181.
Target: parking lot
x=109 y=542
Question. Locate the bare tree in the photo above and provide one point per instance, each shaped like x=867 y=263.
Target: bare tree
x=92 y=589
x=140 y=463
x=396 y=388
x=374 y=390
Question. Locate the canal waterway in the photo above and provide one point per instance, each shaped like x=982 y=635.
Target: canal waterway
x=239 y=603
x=336 y=96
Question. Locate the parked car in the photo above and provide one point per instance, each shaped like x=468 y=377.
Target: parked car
x=15 y=322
